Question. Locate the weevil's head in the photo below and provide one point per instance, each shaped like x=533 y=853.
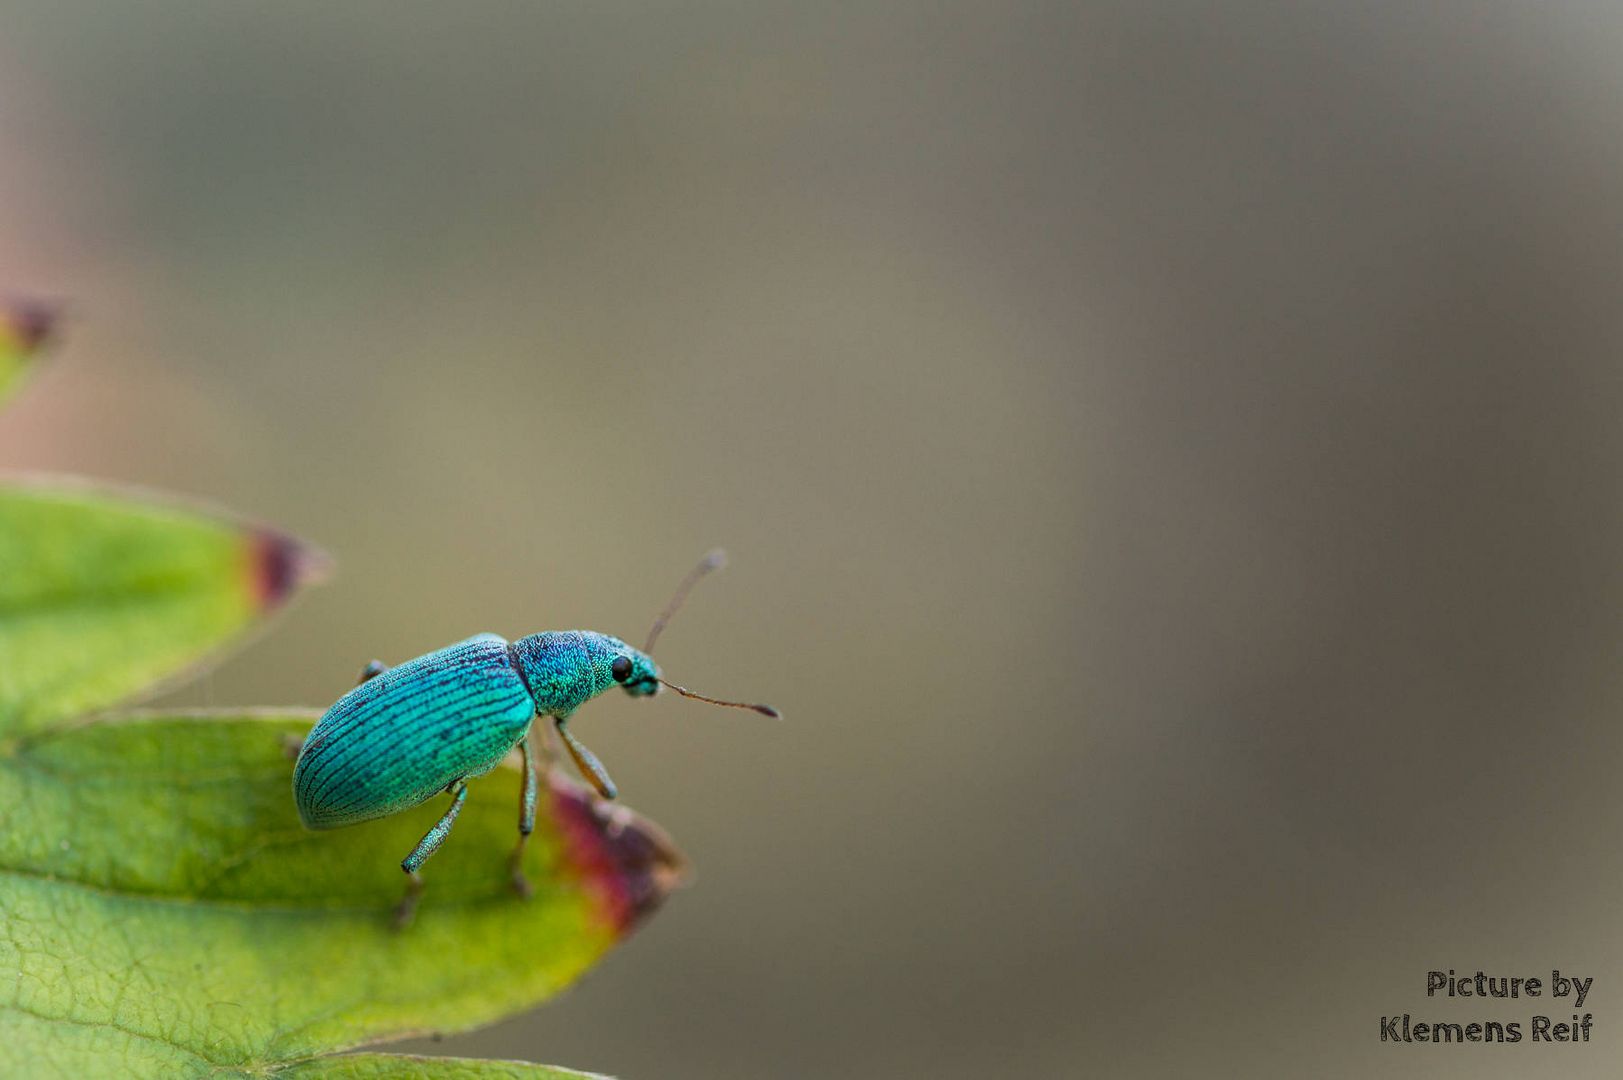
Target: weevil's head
x=635 y=671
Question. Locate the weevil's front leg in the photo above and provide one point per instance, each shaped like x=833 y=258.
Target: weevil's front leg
x=526 y=820
x=429 y=844
x=585 y=761
x=372 y=670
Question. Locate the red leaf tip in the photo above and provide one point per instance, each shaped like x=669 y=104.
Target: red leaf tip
x=627 y=863
x=29 y=322
x=282 y=564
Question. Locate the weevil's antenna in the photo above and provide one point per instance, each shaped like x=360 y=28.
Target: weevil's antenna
x=715 y=560
x=764 y=710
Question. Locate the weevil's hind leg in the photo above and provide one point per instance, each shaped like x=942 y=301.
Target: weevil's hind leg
x=526 y=820
x=586 y=762
x=291 y=745
x=372 y=670
x=429 y=844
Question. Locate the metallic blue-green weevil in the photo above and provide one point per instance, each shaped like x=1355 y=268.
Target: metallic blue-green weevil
x=407 y=733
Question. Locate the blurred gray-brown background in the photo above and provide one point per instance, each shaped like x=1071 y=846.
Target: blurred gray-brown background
x=1172 y=457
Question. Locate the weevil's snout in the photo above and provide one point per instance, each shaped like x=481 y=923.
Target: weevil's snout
x=637 y=674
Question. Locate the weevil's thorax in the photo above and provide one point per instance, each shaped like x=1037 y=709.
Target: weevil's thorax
x=564 y=669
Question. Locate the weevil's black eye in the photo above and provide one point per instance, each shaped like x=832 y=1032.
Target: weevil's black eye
x=621 y=668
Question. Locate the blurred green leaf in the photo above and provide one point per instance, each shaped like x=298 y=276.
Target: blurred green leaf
x=101 y=596
x=165 y=914
x=405 y=1067
x=24 y=328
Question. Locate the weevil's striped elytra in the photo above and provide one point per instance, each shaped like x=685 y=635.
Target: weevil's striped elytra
x=429 y=725
x=400 y=738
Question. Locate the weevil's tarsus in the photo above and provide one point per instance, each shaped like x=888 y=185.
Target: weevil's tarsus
x=764 y=710
x=291 y=745
x=521 y=883
x=372 y=670
x=406 y=910
x=586 y=761
x=429 y=844
x=715 y=559
x=526 y=821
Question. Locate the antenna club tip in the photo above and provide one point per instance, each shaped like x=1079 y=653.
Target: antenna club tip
x=767 y=710
x=715 y=559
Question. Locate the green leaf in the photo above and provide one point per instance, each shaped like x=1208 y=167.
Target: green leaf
x=101 y=596
x=406 y=1067
x=165 y=914
x=24 y=329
